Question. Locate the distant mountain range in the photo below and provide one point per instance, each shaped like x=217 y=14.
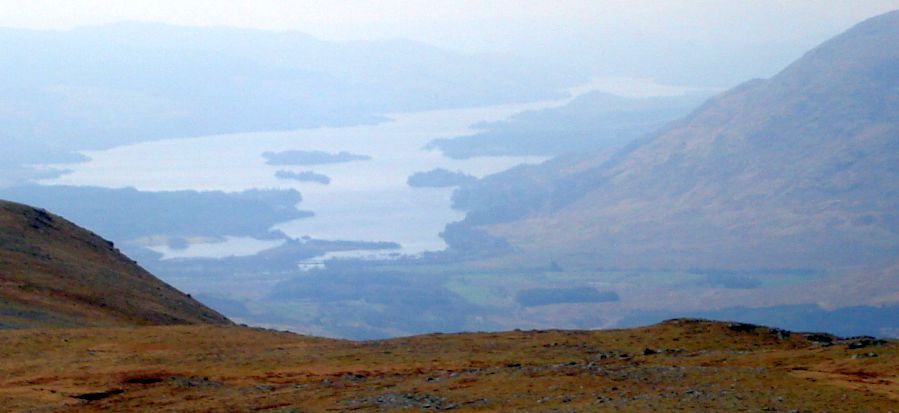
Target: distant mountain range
x=54 y=273
x=97 y=87
x=800 y=171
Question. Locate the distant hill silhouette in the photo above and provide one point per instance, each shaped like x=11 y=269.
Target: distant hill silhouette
x=104 y=86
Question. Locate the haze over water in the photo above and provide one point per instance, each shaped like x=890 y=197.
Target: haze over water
x=366 y=200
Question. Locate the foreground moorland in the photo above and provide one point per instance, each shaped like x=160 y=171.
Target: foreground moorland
x=680 y=364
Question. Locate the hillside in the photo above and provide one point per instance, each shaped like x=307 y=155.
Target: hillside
x=798 y=171
x=53 y=273
x=591 y=122
x=678 y=365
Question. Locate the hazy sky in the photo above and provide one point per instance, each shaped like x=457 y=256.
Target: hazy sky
x=445 y=22
x=593 y=31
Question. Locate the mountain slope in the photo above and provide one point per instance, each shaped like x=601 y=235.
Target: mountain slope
x=798 y=171
x=53 y=273
x=591 y=122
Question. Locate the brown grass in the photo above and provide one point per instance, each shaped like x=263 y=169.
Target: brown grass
x=699 y=366
x=54 y=273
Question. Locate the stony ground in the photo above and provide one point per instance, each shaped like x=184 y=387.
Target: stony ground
x=680 y=365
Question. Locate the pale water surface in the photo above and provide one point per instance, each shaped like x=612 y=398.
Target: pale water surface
x=365 y=201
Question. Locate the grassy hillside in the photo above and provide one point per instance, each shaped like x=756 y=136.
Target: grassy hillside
x=683 y=364
x=53 y=273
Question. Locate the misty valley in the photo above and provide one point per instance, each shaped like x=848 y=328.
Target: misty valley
x=352 y=240
x=573 y=201
x=519 y=206
x=386 y=246
x=468 y=217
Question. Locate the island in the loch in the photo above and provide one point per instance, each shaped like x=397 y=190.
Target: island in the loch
x=439 y=178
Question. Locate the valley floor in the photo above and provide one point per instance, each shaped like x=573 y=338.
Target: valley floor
x=677 y=365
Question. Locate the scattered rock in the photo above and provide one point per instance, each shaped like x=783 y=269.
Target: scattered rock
x=393 y=401
x=781 y=333
x=195 y=382
x=742 y=327
x=864 y=355
x=862 y=342
x=819 y=338
x=282 y=410
x=353 y=377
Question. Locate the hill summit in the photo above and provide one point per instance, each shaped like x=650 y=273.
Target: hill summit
x=54 y=273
